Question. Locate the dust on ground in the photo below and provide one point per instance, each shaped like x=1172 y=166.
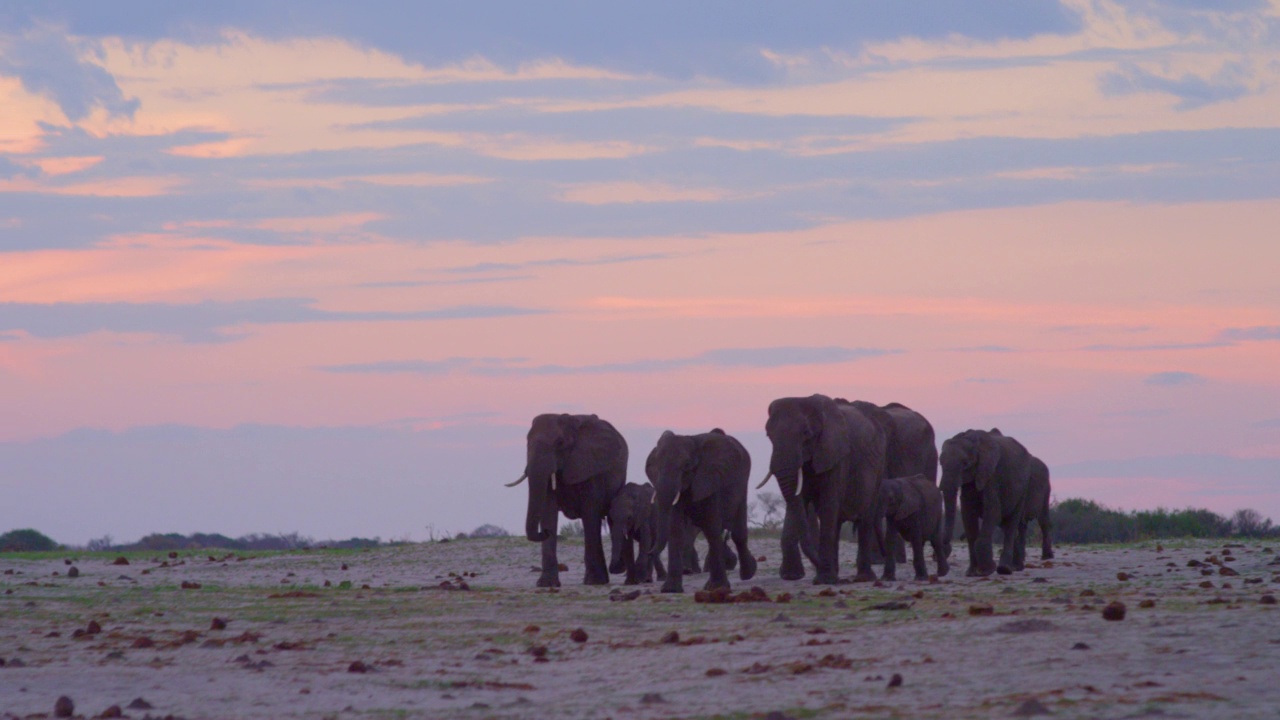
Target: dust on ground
x=458 y=630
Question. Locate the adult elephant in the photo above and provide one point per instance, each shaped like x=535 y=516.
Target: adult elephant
x=575 y=464
x=701 y=482
x=992 y=474
x=911 y=448
x=828 y=458
x=1038 y=492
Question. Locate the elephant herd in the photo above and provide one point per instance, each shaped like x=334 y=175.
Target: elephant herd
x=834 y=461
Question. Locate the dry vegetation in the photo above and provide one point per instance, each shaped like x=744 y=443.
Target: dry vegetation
x=457 y=630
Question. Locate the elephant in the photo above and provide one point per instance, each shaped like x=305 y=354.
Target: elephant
x=828 y=459
x=632 y=532
x=575 y=464
x=701 y=481
x=1037 y=509
x=992 y=473
x=912 y=509
x=910 y=448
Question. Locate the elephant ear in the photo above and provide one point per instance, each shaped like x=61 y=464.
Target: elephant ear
x=720 y=463
x=651 y=467
x=988 y=458
x=832 y=442
x=597 y=448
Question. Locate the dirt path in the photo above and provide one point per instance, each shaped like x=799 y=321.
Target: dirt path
x=290 y=641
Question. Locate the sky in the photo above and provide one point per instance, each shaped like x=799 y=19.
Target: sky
x=313 y=266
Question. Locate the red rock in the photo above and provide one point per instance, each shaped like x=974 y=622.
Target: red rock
x=63 y=707
x=670 y=638
x=218 y=624
x=122 y=560
x=982 y=609
x=716 y=672
x=578 y=636
x=112 y=712
x=1113 y=611
x=1267 y=599
x=895 y=681
x=357 y=667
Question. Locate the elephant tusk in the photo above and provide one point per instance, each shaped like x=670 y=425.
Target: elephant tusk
x=553 y=481
x=765 y=481
x=673 y=502
x=517 y=482
x=800 y=481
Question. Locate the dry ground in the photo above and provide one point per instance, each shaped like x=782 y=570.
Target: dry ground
x=290 y=640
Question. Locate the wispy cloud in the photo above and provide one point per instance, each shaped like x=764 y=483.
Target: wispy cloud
x=1156 y=347
x=209 y=321
x=488 y=267
x=767 y=357
x=1174 y=378
x=1258 y=332
x=51 y=63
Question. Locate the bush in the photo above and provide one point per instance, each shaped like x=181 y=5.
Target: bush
x=26 y=540
x=1085 y=521
x=489 y=531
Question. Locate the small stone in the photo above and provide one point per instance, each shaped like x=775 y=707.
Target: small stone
x=982 y=609
x=716 y=672
x=143 y=642
x=344 y=566
x=895 y=681
x=1122 y=576
x=1148 y=603
x=93 y=628
x=1087 y=593
x=532 y=628
x=112 y=712
x=562 y=567
x=1206 y=584
x=73 y=571
x=670 y=638
x=578 y=636
x=1267 y=599
x=1113 y=611
x=538 y=651
x=122 y=560
x=357 y=667
x=218 y=624
x=1080 y=646
x=1224 y=570
x=138 y=703
x=1030 y=708
x=652 y=698
x=63 y=707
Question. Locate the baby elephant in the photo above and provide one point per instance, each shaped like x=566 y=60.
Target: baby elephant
x=632 y=532
x=912 y=508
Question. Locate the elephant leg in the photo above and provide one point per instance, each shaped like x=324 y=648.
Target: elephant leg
x=890 y=566
x=1008 y=548
x=940 y=552
x=713 y=531
x=730 y=558
x=917 y=551
x=866 y=539
x=828 y=544
x=617 y=538
x=675 y=553
x=793 y=529
x=971 y=511
x=746 y=559
x=809 y=538
x=629 y=562
x=597 y=572
x=691 y=564
x=1046 y=545
x=550 y=576
x=1020 y=550
x=659 y=570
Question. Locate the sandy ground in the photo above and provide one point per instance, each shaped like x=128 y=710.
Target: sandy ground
x=290 y=641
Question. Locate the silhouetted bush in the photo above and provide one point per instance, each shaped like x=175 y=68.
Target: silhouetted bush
x=26 y=540
x=489 y=531
x=1084 y=521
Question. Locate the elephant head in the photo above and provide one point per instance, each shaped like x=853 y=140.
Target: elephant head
x=688 y=469
x=969 y=458
x=898 y=499
x=555 y=459
x=804 y=432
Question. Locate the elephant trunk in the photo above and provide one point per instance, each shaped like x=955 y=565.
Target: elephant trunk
x=950 y=488
x=787 y=465
x=540 y=521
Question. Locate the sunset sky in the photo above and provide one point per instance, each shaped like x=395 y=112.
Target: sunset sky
x=313 y=266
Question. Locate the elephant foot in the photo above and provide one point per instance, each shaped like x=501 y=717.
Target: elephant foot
x=792 y=568
x=1046 y=555
x=943 y=568
x=922 y=577
x=549 y=581
x=976 y=572
x=631 y=581
x=826 y=579
x=717 y=585
x=1004 y=570
x=889 y=574
x=672 y=587
x=864 y=576
x=616 y=568
x=747 y=568
x=589 y=580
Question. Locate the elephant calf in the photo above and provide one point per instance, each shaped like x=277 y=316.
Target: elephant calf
x=1038 y=492
x=912 y=509
x=632 y=526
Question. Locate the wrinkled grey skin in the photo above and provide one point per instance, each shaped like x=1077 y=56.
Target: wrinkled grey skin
x=842 y=455
x=632 y=533
x=589 y=459
x=992 y=473
x=911 y=448
x=912 y=509
x=701 y=481
x=1038 y=491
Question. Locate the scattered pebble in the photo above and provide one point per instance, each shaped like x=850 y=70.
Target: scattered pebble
x=670 y=638
x=895 y=681
x=982 y=609
x=138 y=703
x=578 y=636
x=218 y=624
x=1148 y=603
x=716 y=672
x=1080 y=646
x=63 y=707
x=357 y=667
x=1030 y=708
x=1113 y=611
x=73 y=571
x=122 y=560
x=112 y=712
x=1267 y=599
